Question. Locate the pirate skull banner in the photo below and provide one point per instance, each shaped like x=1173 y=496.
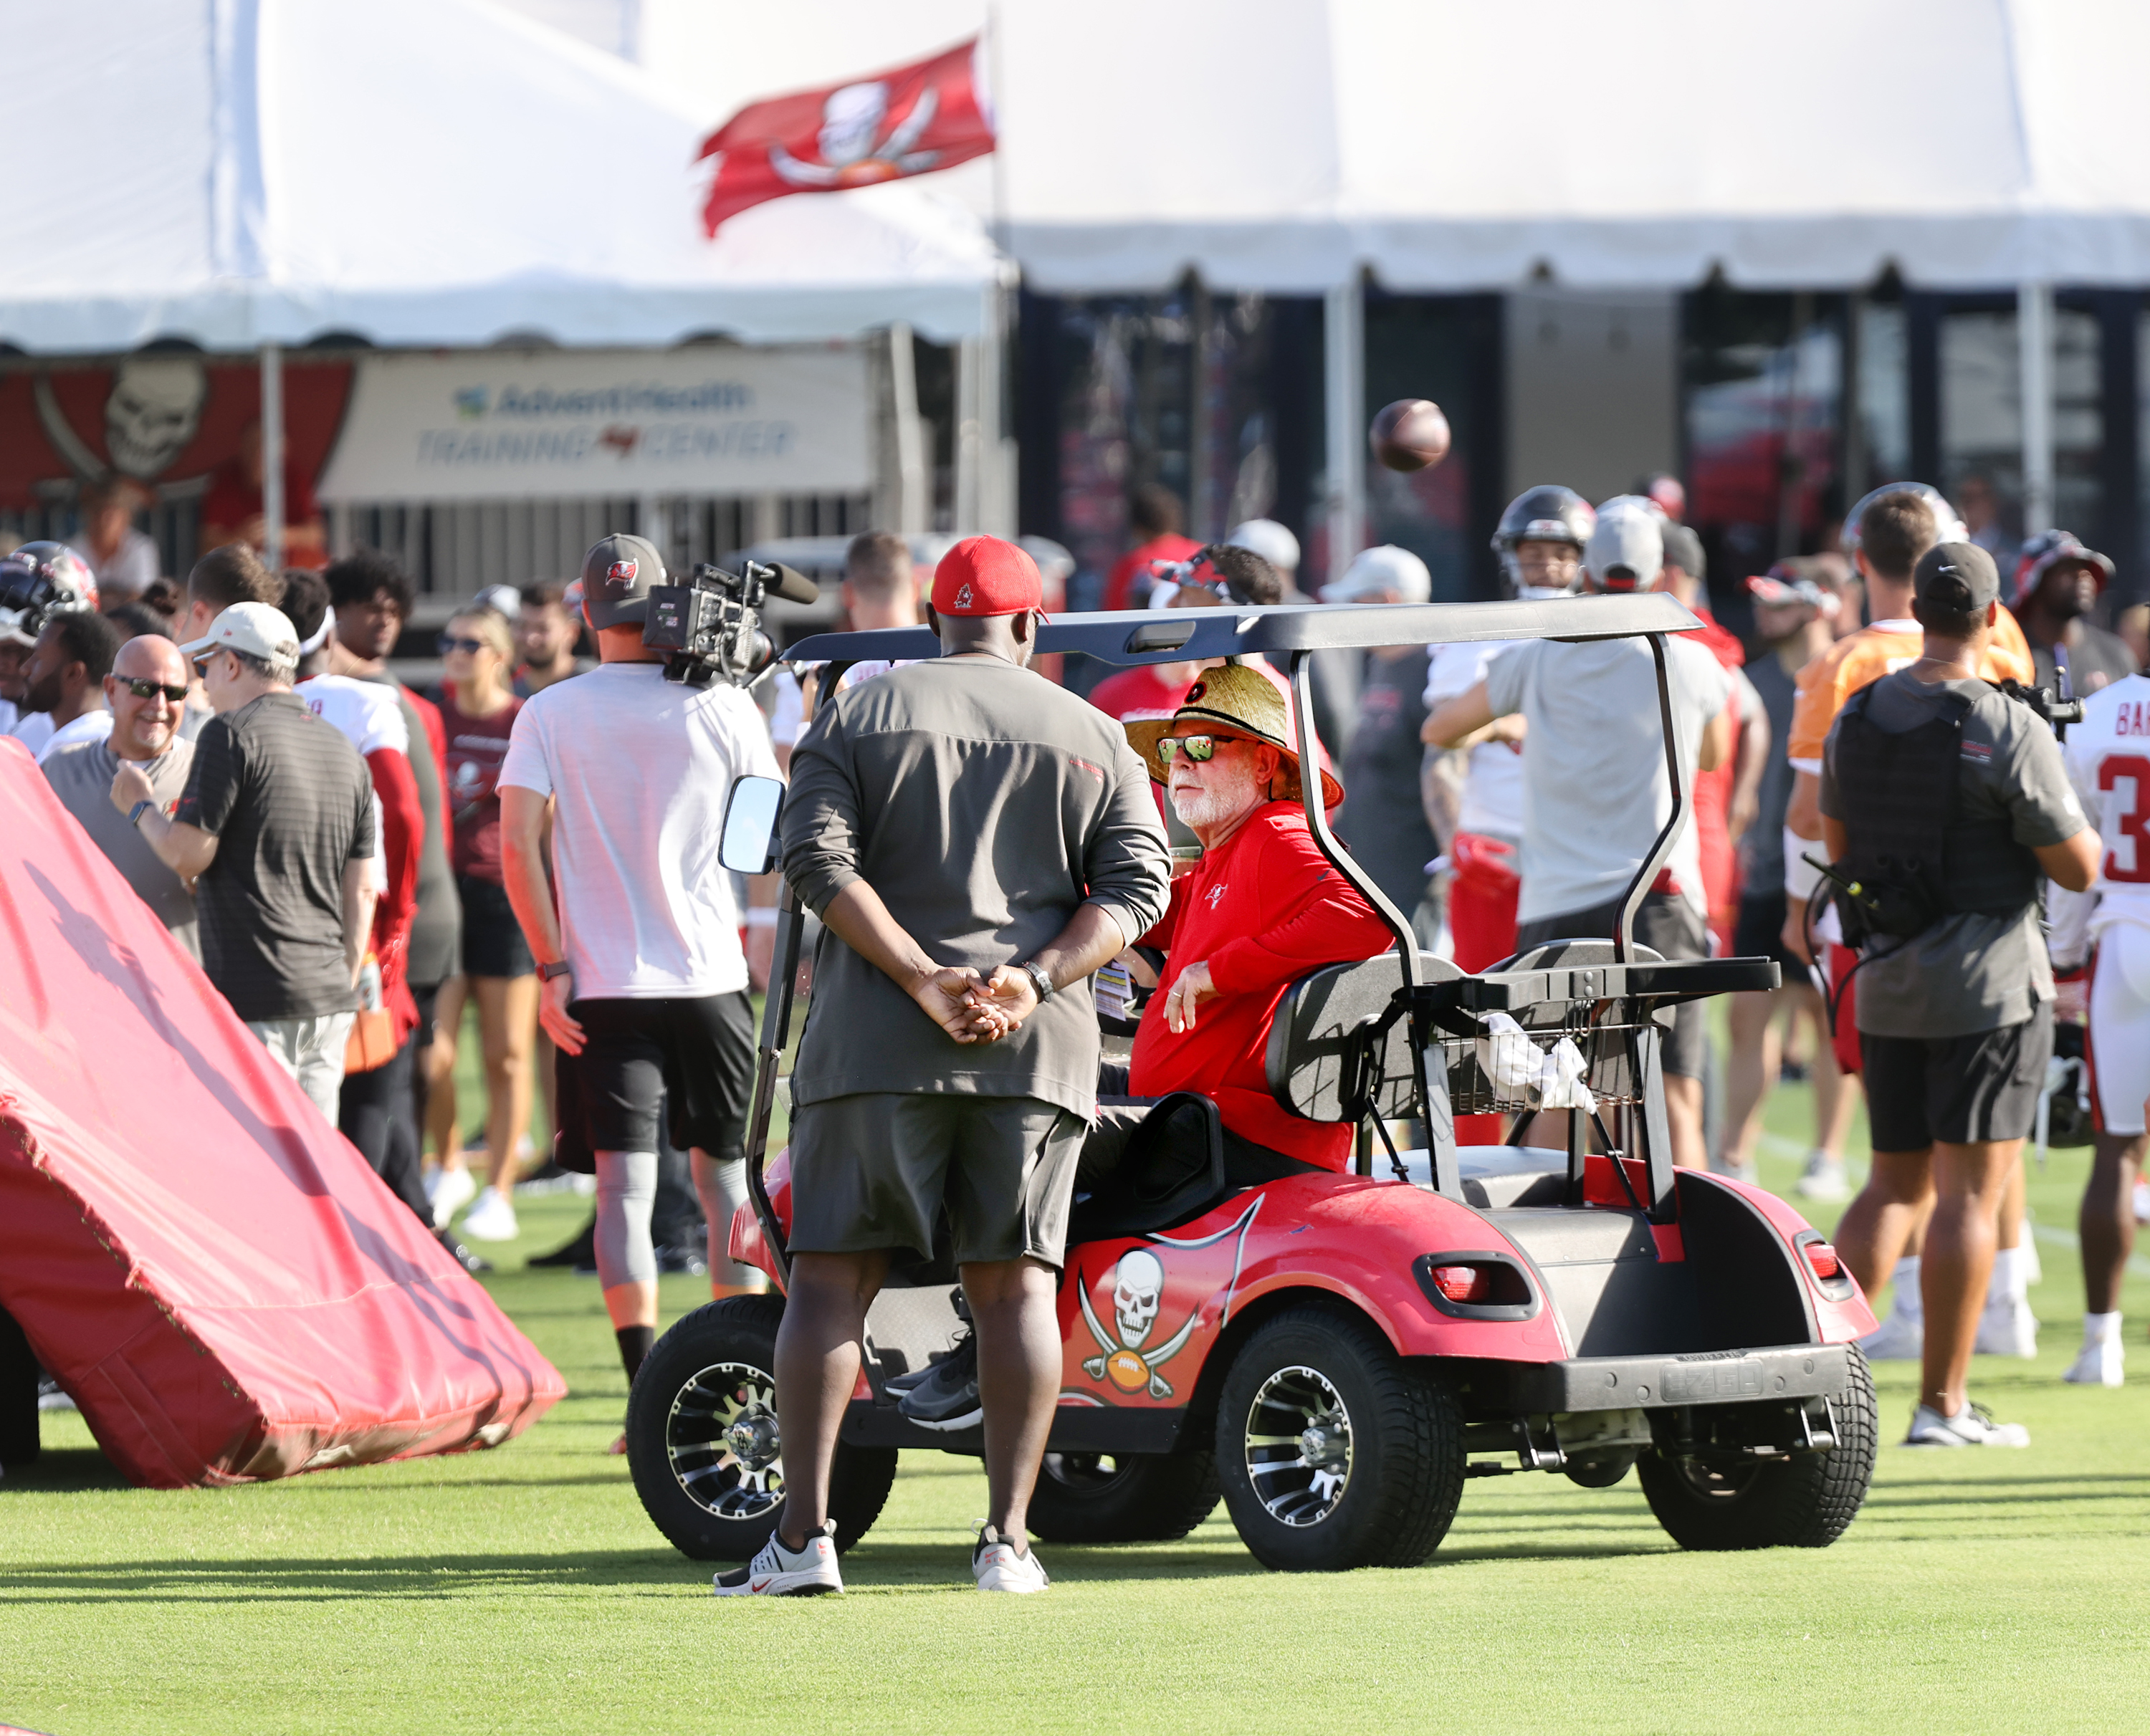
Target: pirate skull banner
x=931 y=115
x=167 y=420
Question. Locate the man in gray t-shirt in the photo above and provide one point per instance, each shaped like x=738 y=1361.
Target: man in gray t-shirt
x=976 y=841
x=1955 y=1002
x=147 y=693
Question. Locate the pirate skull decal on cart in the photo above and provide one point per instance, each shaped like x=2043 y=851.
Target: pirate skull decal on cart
x=1136 y=1284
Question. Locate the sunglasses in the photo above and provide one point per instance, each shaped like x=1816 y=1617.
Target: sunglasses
x=1197 y=749
x=451 y=644
x=150 y=690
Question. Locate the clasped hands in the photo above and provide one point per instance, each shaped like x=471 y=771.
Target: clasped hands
x=974 y=1007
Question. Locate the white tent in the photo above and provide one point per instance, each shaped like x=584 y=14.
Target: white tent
x=1284 y=145
x=415 y=173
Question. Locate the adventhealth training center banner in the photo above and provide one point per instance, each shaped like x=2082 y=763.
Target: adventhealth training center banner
x=485 y=425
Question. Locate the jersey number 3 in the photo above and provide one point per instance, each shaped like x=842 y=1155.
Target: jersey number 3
x=2134 y=825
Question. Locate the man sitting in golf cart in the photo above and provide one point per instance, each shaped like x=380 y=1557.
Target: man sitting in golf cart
x=1261 y=909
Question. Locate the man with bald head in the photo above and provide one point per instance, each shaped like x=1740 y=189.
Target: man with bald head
x=147 y=693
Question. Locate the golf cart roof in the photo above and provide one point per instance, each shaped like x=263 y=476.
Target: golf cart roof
x=1184 y=635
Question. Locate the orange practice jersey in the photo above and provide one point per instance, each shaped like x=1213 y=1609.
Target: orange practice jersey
x=1860 y=659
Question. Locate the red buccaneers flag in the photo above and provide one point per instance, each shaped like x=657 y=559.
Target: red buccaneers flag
x=926 y=116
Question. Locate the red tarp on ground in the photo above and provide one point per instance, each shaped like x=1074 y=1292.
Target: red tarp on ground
x=213 y=1272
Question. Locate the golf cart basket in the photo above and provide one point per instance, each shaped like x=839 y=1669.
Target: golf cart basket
x=1404 y=1036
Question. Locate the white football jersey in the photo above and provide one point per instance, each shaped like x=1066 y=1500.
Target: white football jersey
x=1493 y=802
x=2108 y=758
x=370 y=717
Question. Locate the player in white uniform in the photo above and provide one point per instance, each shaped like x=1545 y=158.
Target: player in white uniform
x=2108 y=761
x=1540 y=541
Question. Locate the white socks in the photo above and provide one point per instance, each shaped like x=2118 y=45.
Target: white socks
x=2101 y=1328
x=1904 y=1291
x=2012 y=1277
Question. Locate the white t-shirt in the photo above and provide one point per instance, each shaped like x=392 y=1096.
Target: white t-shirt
x=90 y=727
x=33 y=729
x=1492 y=804
x=2108 y=761
x=1595 y=790
x=369 y=716
x=639 y=768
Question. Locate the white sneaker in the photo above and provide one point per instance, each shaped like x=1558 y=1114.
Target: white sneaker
x=777 y=1571
x=2097 y=1365
x=492 y=1219
x=1973 y=1426
x=2142 y=1202
x=451 y=1191
x=1736 y=1171
x=2006 y=1327
x=1899 y=1338
x=999 y=1568
x=1824 y=1178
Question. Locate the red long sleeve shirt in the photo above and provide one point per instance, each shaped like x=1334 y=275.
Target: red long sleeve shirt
x=1262 y=910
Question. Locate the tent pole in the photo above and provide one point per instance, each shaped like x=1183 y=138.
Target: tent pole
x=2033 y=354
x=1344 y=355
x=272 y=454
x=970 y=434
x=910 y=445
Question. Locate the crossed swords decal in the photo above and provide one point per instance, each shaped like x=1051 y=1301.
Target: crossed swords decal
x=1109 y=1346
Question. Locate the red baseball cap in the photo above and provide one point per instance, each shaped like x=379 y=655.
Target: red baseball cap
x=985 y=575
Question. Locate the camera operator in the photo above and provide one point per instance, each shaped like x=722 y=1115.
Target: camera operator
x=644 y=984
x=1942 y=800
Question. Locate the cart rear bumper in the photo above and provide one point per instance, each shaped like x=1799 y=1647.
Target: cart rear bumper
x=1645 y=1383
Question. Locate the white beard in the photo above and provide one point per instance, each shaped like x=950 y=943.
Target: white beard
x=1226 y=797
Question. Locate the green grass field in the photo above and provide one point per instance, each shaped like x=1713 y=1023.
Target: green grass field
x=522 y=1589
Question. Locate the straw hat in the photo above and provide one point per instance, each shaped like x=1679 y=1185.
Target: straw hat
x=1244 y=701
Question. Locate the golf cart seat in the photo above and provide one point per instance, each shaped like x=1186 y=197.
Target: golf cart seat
x=1324 y=1056
x=1148 y=1167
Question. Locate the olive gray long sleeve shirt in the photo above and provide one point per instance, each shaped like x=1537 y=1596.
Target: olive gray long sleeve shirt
x=984 y=805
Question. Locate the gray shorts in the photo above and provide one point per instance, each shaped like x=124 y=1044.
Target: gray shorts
x=873 y=1170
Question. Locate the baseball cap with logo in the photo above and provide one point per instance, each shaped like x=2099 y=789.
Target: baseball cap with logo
x=253 y=628
x=1959 y=577
x=617 y=576
x=985 y=575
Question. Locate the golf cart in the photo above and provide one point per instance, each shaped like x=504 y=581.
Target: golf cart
x=1333 y=1355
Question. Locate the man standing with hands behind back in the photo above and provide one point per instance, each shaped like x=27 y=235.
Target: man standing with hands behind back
x=951 y=1053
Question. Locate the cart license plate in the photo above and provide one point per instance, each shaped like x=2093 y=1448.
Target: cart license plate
x=1699 y=1383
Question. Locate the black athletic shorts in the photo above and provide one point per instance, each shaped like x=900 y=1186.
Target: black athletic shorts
x=1759 y=933
x=1960 y=1090
x=636 y=1051
x=1671 y=928
x=493 y=945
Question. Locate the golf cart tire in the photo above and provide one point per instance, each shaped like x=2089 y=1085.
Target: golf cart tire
x=1144 y=1498
x=738 y=1333
x=1402 y=1433
x=1804 y=1501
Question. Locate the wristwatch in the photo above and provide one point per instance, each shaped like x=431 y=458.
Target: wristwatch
x=1041 y=980
x=546 y=973
x=135 y=814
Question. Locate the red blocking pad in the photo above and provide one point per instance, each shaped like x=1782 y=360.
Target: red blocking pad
x=211 y=1270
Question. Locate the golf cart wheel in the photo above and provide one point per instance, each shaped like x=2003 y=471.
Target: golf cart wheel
x=1804 y=1501
x=702 y=1441
x=1333 y=1452
x=1100 y=1498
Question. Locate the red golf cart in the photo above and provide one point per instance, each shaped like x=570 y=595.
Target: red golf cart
x=1333 y=1355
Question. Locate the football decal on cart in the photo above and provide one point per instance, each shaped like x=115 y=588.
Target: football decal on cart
x=1136 y=1287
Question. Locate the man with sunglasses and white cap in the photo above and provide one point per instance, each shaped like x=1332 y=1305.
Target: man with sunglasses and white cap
x=276 y=827
x=147 y=695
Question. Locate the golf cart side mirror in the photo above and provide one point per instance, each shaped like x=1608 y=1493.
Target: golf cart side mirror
x=752 y=808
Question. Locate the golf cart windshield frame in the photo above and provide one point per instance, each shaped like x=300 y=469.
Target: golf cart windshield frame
x=1298 y=631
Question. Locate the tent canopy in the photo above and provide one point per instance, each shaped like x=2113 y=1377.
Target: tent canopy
x=1281 y=145
x=414 y=172
x=1451 y=145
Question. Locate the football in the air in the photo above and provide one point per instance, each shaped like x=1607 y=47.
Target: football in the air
x=1410 y=435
